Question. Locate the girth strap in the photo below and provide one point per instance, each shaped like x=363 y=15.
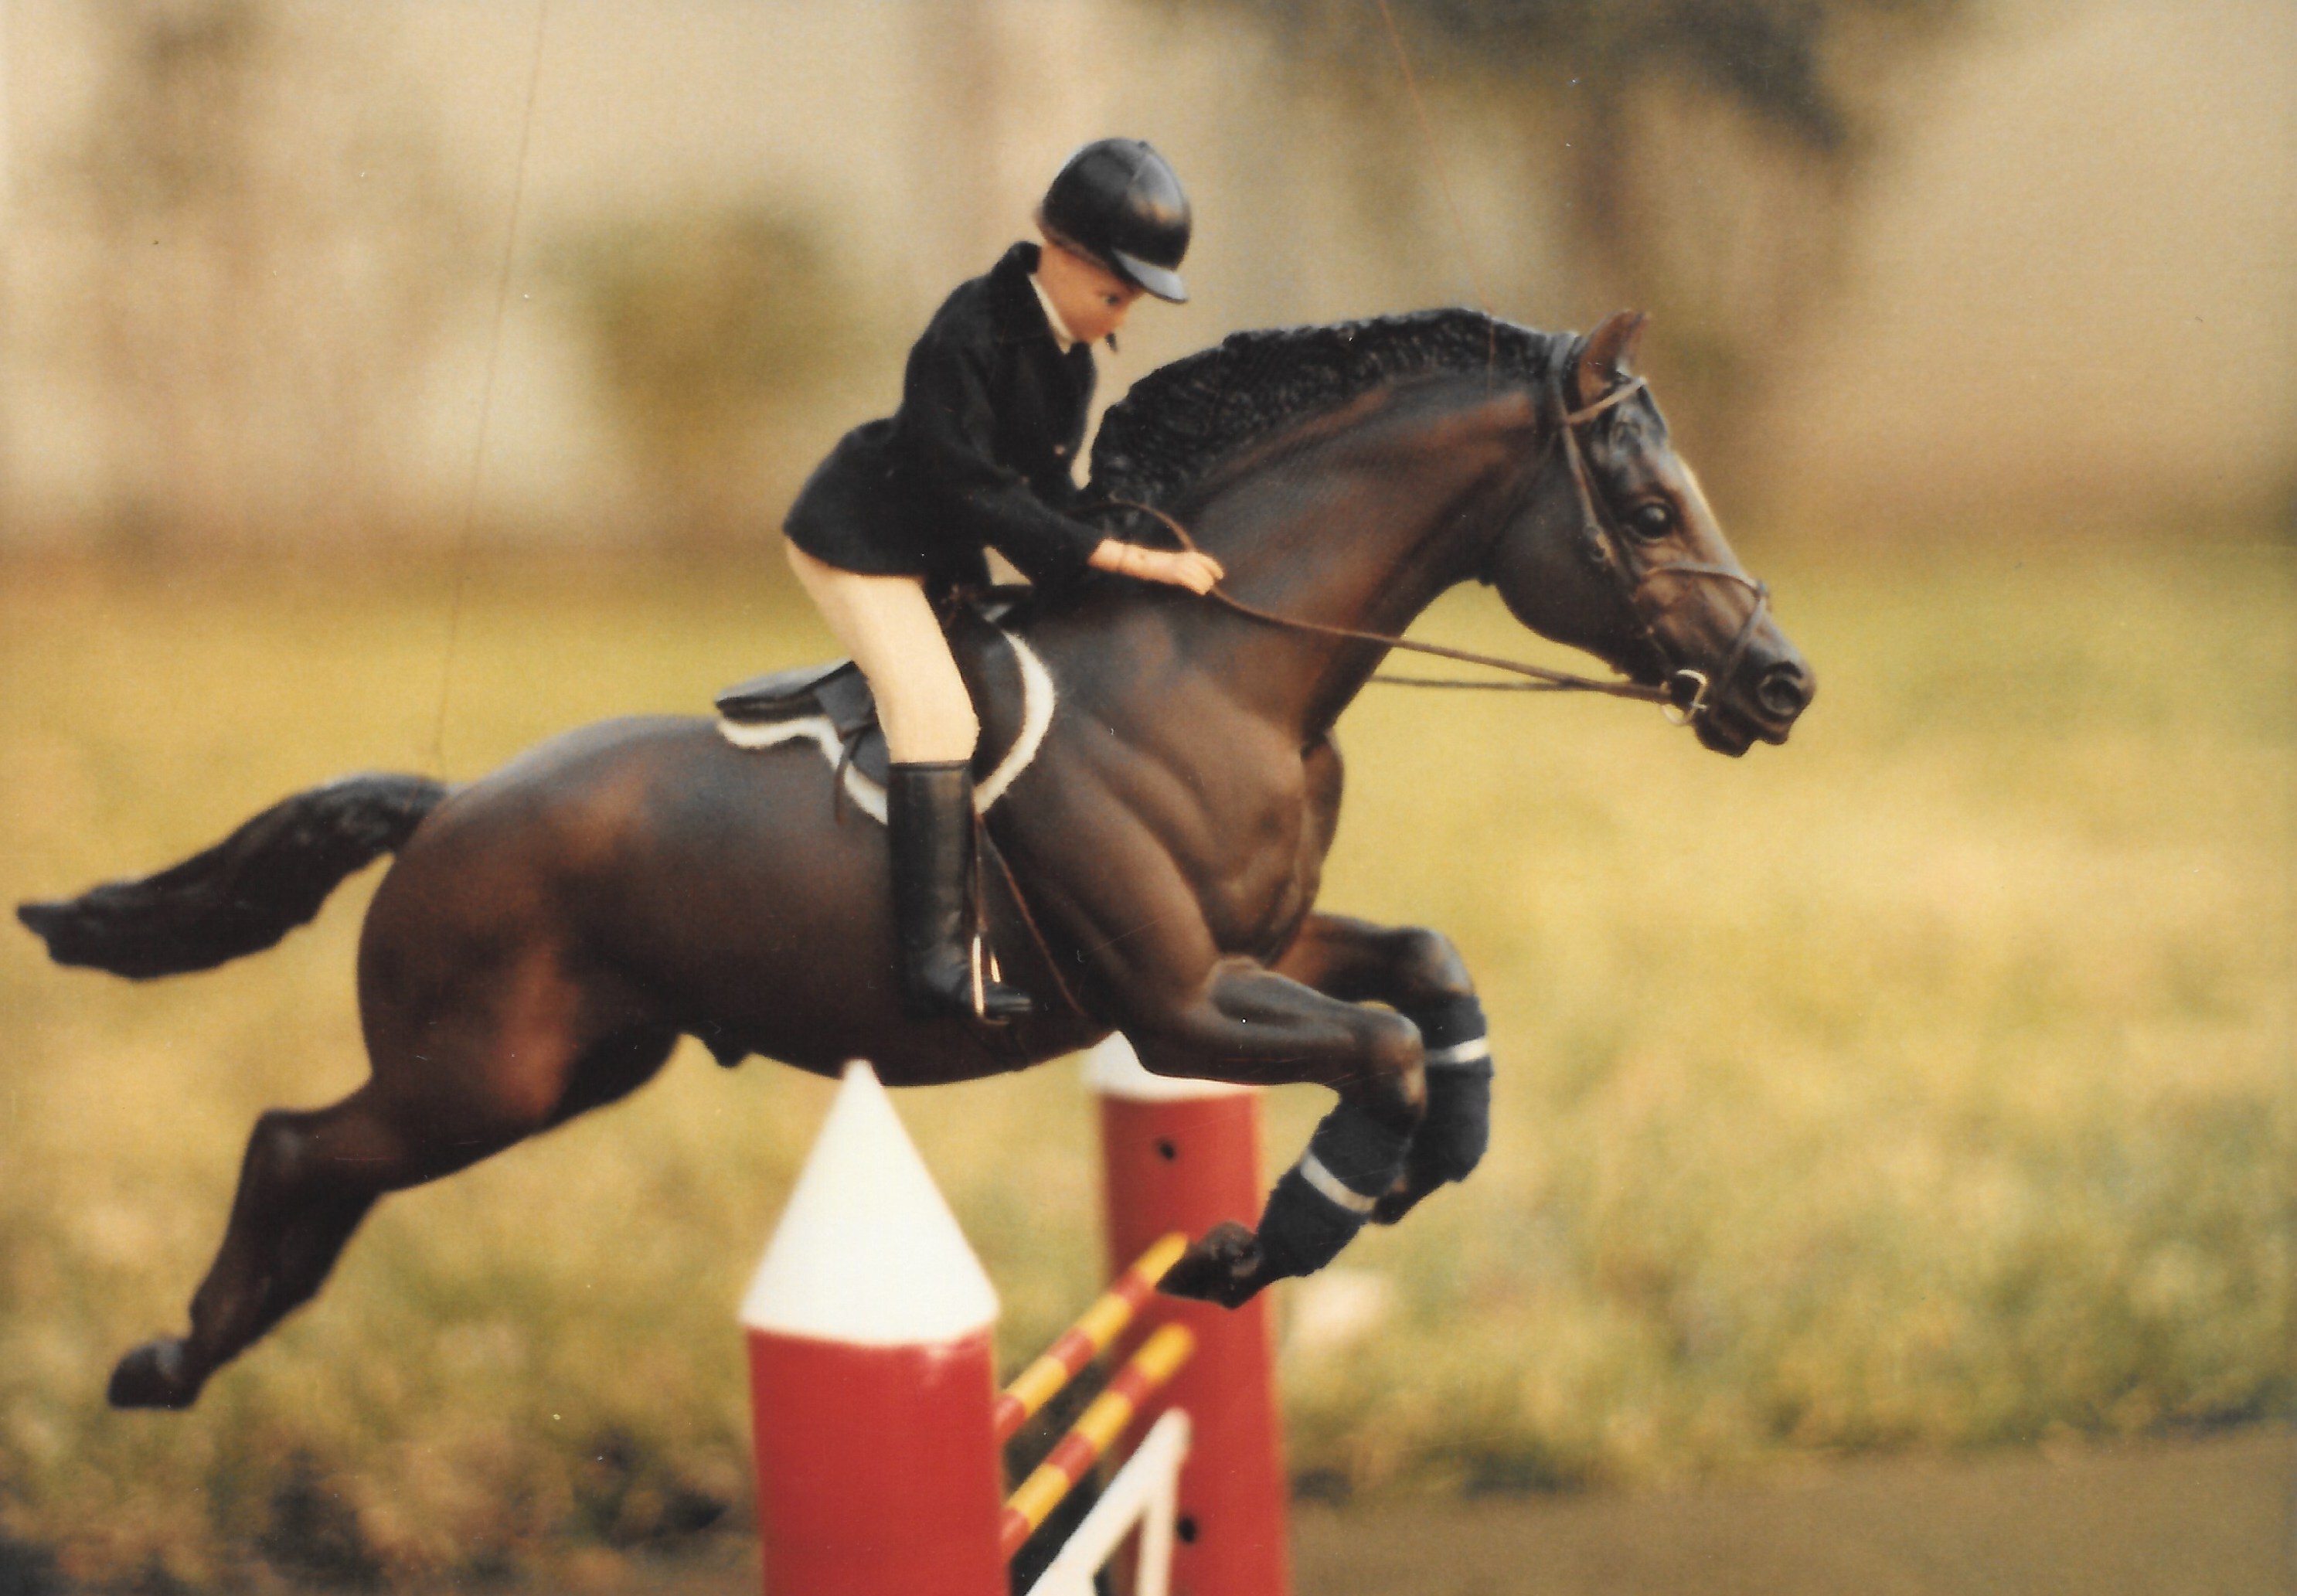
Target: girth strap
x=991 y=851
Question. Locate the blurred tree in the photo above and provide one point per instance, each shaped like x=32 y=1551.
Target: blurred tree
x=709 y=329
x=268 y=251
x=1706 y=153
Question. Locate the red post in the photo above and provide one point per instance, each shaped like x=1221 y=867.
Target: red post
x=1184 y=1155
x=872 y=1375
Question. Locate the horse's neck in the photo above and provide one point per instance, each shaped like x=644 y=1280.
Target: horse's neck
x=1360 y=531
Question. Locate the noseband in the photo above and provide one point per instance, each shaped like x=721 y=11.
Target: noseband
x=1687 y=687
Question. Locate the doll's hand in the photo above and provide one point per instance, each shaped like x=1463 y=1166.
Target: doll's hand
x=1194 y=570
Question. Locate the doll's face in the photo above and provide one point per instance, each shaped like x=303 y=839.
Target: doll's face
x=1092 y=300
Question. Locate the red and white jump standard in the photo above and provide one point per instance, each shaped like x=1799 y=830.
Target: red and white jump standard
x=872 y=1373
x=876 y=1419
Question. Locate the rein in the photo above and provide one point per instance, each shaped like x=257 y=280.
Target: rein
x=1683 y=699
x=1542 y=679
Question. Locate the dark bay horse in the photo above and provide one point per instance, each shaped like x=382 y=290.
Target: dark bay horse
x=550 y=931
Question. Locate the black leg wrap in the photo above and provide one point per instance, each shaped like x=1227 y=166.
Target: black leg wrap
x=1449 y=1022
x=1323 y=1200
x=1451 y=1139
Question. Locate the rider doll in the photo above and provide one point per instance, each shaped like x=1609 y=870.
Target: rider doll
x=979 y=455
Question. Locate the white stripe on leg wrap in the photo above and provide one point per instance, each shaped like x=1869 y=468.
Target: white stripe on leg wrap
x=1327 y=1185
x=1474 y=1051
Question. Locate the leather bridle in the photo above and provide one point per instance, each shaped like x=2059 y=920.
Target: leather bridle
x=1687 y=687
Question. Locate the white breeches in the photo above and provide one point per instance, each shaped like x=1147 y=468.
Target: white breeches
x=887 y=625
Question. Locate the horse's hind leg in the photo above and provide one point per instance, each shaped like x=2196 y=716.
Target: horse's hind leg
x=310 y=1178
x=306 y=1180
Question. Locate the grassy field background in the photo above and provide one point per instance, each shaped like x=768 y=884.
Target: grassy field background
x=1923 y=1084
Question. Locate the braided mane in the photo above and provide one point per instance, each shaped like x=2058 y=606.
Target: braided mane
x=1182 y=419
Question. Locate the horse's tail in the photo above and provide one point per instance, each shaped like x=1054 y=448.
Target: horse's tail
x=244 y=894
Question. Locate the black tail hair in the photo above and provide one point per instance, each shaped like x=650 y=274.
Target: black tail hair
x=244 y=894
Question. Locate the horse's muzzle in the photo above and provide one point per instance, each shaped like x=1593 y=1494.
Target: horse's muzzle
x=1760 y=704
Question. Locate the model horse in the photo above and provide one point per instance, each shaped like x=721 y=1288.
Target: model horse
x=550 y=931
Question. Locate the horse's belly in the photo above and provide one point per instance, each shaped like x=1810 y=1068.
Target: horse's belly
x=762 y=914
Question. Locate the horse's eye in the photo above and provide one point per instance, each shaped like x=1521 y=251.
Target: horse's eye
x=1650 y=521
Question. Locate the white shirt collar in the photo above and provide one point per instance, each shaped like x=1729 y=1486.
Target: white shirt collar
x=1060 y=329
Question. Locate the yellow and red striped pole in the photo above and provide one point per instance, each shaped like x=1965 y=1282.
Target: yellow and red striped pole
x=1159 y=1358
x=1089 y=1337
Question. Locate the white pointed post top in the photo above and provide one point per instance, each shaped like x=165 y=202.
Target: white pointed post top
x=868 y=1252
x=1114 y=1070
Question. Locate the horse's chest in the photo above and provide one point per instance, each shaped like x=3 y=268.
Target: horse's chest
x=1261 y=873
x=1229 y=802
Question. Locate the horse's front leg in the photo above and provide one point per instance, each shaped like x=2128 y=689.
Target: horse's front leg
x=1251 y=1023
x=1420 y=974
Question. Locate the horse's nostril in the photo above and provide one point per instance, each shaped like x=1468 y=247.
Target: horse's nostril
x=1784 y=691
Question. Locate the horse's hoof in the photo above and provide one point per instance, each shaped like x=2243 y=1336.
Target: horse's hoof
x=1225 y=1267
x=155 y=1374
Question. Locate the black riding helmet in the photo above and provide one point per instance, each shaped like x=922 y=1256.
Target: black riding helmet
x=1118 y=202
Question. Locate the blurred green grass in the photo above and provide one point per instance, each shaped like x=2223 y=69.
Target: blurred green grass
x=1923 y=1084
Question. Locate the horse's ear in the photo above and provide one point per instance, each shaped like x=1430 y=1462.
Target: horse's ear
x=1609 y=351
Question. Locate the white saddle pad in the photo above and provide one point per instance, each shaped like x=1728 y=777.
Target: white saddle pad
x=1038 y=699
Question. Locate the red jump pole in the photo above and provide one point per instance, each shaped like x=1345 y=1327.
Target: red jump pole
x=1184 y=1155
x=872 y=1375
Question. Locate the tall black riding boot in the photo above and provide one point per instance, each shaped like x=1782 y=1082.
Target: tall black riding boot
x=929 y=813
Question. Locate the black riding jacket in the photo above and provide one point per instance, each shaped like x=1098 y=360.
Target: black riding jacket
x=979 y=453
